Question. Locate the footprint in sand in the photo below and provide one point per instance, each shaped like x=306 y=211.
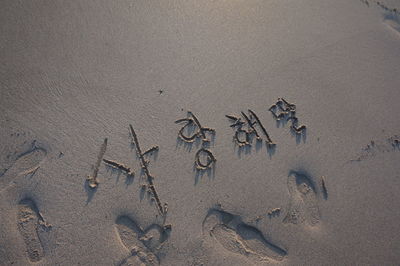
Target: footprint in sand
x=143 y=243
x=237 y=237
x=29 y=222
x=303 y=205
x=27 y=162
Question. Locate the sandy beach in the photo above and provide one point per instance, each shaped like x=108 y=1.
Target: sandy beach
x=200 y=132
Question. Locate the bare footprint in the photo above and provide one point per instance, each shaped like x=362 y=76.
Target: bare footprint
x=303 y=206
x=26 y=163
x=238 y=237
x=29 y=221
x=142 y=244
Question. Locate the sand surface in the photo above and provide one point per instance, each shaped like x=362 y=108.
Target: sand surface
x=77 y=186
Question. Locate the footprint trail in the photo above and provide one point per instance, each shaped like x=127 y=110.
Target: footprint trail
x=28 y=221
x=240 y=238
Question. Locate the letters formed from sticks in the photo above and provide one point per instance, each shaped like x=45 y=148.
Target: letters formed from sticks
x=120 y=166
x=144 y=163
x=243 y=136
x=199 y=132
x=295 y=127
x=284 y=107
x=287 y=111
x=209 y=159
x=192 y=121
x=92 y=180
